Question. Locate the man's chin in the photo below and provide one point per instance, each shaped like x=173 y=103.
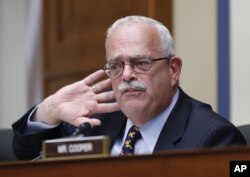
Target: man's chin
x=132 y=100
x=132 y=105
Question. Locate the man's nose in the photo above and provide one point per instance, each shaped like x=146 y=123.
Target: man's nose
x=128 y=72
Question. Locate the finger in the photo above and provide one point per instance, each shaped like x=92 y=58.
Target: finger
x=92 y=78
x=107 y=107
x=105 y=96
x=103 y=85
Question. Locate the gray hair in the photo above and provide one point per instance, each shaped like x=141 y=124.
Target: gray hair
x=167 y=42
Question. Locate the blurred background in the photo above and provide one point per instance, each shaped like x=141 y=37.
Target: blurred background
x=46 y=44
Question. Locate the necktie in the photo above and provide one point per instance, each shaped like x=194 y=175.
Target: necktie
x=132 y=136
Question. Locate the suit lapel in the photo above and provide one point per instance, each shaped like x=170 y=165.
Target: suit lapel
x=175 y=125
x=120 y=123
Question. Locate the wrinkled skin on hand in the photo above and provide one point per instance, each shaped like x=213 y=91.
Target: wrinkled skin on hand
x=75 y=103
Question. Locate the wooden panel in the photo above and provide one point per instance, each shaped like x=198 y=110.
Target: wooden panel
x=74 y=34
x=196 y=163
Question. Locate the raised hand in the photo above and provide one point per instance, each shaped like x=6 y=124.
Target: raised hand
x=75 y=103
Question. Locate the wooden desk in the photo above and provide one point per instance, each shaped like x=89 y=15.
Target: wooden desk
x=201 y=163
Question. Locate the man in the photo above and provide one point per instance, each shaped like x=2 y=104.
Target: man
x=144 y=73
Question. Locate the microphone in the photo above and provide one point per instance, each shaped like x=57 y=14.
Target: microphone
x=82 y=128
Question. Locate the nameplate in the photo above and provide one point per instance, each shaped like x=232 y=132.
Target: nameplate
x=75 y=147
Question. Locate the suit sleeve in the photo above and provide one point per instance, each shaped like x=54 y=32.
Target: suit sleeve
x=28 y=146
x=223 y=135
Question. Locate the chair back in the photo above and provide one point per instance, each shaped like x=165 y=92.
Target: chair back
x=6 y=152
x=245 y=130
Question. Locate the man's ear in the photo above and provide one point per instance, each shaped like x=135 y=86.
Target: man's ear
x=175 y=65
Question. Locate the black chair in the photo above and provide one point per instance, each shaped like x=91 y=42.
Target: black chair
x=245 y=130
x=6 y=153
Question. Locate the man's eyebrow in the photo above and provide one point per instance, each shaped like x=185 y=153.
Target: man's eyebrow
x=118 y=58
x=139 y=56
x=114 y=59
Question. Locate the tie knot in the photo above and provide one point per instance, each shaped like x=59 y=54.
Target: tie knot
x=132 y=136
x=134 y=133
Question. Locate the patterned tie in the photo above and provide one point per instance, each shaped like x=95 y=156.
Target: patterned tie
x=132 y=136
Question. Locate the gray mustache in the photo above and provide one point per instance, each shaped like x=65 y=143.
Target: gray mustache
x=134 y=84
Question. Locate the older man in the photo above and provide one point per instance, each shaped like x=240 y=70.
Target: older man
x=144 y=73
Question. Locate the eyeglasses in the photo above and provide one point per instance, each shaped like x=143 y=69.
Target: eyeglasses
x=115 y=68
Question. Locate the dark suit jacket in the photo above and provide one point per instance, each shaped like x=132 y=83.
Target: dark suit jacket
x=191 y=124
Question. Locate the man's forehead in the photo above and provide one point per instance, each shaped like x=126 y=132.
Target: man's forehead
x=131 y=43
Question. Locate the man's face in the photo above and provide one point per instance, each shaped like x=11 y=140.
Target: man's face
x=131 y=41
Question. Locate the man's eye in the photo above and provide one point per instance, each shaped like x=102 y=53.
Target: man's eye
x=114 y=66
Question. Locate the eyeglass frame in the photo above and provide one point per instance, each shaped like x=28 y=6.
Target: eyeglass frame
x=105 y=68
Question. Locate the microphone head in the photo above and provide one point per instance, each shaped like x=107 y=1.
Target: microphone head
x=84 y=127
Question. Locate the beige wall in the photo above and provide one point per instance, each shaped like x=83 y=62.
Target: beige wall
x=1 y=60
x=13 y=80
x=195 y=36
x=240 y=61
